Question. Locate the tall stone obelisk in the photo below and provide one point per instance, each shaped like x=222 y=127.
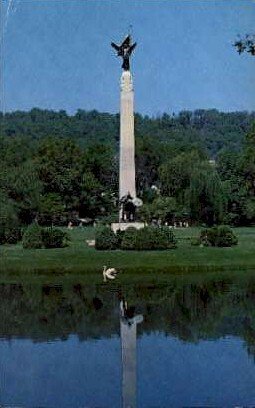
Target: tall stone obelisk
x=127 y=189
x=127 y=139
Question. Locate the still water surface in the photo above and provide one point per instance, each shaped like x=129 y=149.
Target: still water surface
x=170 y=345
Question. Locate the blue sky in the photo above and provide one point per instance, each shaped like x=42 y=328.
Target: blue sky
x=57 y=54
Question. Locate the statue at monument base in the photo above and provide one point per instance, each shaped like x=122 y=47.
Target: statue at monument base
x=128 y=206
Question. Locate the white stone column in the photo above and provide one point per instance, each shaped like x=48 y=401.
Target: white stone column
x=127 y=139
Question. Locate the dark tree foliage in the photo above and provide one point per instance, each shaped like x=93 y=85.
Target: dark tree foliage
x=210 y=129
x=10 y=231
x=55 y=167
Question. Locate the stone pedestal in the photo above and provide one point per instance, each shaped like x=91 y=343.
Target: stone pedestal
x=122 y=226
x=127 y=140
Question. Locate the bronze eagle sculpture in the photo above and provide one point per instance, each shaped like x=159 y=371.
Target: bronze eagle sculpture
x=125 y=50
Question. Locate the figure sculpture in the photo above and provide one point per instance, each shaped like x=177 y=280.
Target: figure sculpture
x=125 y=50
x=128 y=208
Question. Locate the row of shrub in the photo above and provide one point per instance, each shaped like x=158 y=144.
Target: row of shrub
x=36 y=237
x=147 y=238
x=158 y=238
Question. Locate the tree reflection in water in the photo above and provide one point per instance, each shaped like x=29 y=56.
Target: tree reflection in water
x=190 y=312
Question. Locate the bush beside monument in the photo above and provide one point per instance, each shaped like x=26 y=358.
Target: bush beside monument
x=147 y=238
x=37 y=237
x=217 y=236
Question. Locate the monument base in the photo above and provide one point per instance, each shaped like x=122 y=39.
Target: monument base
x=122 y=226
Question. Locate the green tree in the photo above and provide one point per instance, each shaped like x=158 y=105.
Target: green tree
x=206 y=195
x=248 y=173
x=99 y=181
x=248 y=161
x=51 y=210
x=161 y=209
x=23 y=186
x=102 y=162
x=175 y=174
x=10 y=231
x=148 y=156
x=59 y=164
x=229 y=169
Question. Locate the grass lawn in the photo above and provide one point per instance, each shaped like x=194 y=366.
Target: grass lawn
x=81 y=261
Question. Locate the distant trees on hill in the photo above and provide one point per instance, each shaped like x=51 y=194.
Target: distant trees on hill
x=210 y=129
x=55 y=166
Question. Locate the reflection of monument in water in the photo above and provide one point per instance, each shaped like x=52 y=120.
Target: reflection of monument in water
x=128 y=323
x=127 y=185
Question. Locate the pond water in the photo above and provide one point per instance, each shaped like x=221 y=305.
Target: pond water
x=169 y=345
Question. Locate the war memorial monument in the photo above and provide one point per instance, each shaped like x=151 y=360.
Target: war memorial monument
x=127 y=184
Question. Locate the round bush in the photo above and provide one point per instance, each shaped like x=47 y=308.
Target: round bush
x=148 y=238
x=32 y=237
x=105 y=239
x=220 y=236
x=54 y=238
x=151 y=238
x=36 y=237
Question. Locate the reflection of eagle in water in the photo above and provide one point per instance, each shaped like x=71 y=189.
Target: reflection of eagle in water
x=127 y=314
x=124 y=50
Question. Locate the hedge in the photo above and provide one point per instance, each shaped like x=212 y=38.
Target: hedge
x=218 y=236
x=147 y=238
x=36 y=237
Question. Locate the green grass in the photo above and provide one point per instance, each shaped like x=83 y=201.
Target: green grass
x=81 y=261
